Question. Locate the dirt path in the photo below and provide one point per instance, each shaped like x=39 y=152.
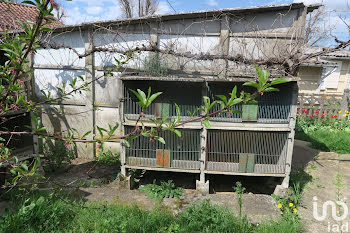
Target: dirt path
x=326 y=187
x=97 y=185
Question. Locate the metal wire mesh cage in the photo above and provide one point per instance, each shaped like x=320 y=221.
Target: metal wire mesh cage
x=247 y=151
x=273 y=107
x=178 y=152
x=186 y=94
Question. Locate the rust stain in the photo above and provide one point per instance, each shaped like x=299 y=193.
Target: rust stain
x=160 y=158
x=166 y=157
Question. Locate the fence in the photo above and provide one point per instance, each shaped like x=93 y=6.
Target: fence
x=324 y=105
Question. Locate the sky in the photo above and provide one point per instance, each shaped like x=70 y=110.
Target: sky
x=78 y=11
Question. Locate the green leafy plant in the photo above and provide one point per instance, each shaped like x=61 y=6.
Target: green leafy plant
x=57 y=154
x=240 y=190
x=105 y=156
x=164 y=190
x=289 y=203
x=155 y=67
x=41 y=211
x=262 y=85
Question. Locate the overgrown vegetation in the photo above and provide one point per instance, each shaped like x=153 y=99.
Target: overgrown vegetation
x=105 y=156
x=329 y=134
x=164 y=190
x=290 y=203
x=153 y=66
x=57 y=154
x=45 y=212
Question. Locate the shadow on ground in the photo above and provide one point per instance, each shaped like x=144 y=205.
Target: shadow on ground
x=84 y=173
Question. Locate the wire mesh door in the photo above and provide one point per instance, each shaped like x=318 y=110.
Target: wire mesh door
x=247 y=151
x=273 y=107
x=182 y=152
x=185 y=94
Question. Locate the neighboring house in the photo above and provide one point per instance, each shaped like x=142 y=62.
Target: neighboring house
x=326 y=74
x=259 y=143
x=10 y=14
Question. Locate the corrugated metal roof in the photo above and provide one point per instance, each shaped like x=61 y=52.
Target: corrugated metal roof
x=198 y=14
x=322 y=59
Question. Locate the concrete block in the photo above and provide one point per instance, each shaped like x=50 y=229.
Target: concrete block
x=202 y=188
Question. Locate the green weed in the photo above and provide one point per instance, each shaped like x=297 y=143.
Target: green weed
x=56 y=154
x=164 y=190
x=240 y=190
x=48 y=212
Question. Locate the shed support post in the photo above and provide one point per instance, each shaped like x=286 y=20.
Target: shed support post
x=121 y=115
x=285 y=183
x=90 y=95
x=202 y=186
x=224 y=46
x=203 y=154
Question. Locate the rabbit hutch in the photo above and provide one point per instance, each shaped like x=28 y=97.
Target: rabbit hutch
x=257 y=142
x=186 y=56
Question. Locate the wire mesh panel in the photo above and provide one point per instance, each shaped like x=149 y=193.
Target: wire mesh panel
x=247 y=151
x=273 y=107
x=185 y=94
x=184 y=152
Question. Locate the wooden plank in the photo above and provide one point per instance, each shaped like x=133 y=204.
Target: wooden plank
x=164 y=169
x=250 y=163
x=249 y=112
x=244 y=174
x=243 y=160
x=159 y=157
x=166 y=158
x=225 y=126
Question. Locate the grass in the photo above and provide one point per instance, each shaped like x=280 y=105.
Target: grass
x=46 y=212
x=327 y=135
x=336 y=141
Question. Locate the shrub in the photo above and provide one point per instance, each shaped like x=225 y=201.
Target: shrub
x=57 y=153
x=108 y=157
x=164 y=190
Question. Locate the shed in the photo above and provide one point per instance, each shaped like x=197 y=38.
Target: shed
x=187 y=56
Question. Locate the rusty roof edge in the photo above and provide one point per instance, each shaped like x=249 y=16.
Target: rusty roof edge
x=183 y=15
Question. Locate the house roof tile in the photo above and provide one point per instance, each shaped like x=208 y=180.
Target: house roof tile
x=12 y=12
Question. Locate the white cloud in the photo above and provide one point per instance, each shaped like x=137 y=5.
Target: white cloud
x=113 y=12
x=78 y=15
x=94 y=10
x=330 y=4
x=212 y=3
x=74 y=16
x=163 y=8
